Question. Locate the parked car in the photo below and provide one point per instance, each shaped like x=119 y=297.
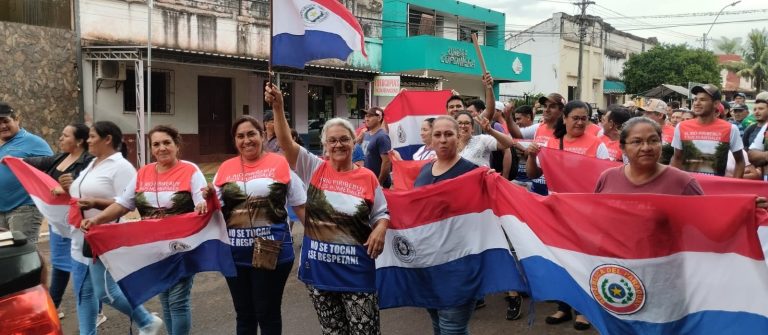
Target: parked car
x=25 y=306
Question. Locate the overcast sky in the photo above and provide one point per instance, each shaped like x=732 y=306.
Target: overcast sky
x=525 y=13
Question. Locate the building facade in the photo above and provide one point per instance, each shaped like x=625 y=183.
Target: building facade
x=733 y=83
x=433 y=39
x=39 y=67
x=554 y=45
x=209 y=67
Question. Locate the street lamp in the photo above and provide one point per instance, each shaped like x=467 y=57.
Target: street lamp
x=704 y=42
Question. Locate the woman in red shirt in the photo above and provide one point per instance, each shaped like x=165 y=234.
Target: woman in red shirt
x=569 y=135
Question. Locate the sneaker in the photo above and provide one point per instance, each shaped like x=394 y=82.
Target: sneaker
x=514 y=309
x=153 y=328
x=480 y=304
x=101 y=318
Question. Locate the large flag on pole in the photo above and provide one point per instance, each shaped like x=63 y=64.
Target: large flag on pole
x=305 y=30
x=558 y=166
x=147 y=257
x=440 y=252
x=405 y=114
x=40 y=186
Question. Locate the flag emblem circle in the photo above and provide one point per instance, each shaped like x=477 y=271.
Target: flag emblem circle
x=178 y=246
x=617 y=289
x=403 y=249
x=313 y=14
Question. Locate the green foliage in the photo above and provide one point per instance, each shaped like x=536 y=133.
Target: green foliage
x=670 y=64
x=754 y=66
x=728 y=46
x=721 y=158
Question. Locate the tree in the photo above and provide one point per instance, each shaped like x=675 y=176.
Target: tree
x=755 y=63
x=728 y=46
x=670 y=64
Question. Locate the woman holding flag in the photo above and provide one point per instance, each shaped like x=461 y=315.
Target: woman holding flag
x=72 y=159
x=96 y=188
x=448 y=165
x=569 y=135
x=167 y=187
x=345 y=225
x=255 y=188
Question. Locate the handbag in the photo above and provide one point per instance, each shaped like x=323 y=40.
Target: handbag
x=265 y=253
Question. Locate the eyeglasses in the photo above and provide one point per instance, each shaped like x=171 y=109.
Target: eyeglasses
x=464 y=123
x=650 y=142
x=579 y=118
x=343 y=140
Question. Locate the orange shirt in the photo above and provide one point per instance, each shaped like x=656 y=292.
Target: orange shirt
x=586 y=145
x=614 y=148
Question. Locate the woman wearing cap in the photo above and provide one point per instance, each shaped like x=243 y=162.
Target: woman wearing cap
x=570 y=136
x=477 y=148
x=613 y=120
x=346 y=210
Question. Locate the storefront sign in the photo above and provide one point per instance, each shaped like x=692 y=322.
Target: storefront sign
x=458 y=57
x=386 y=86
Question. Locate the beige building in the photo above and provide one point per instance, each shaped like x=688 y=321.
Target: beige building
x=554 y=48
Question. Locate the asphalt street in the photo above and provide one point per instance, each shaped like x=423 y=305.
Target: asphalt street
x=212 y=313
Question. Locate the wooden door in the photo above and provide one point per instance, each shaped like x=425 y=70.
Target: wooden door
x=214 y=115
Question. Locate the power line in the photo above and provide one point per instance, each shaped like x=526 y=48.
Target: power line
x=666 y=16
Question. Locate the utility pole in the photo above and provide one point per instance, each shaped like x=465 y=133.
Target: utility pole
x=582 y=34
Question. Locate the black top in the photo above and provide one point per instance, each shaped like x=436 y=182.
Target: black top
x=426 y=178
x=48 y=164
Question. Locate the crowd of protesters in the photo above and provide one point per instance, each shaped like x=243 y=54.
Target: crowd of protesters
x=274 y=180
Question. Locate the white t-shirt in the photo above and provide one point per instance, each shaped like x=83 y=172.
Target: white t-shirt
x=731 y=165
x=106 y=180
x=478 y=150
x=704 y=144
x=424 y=154
x=529 y=132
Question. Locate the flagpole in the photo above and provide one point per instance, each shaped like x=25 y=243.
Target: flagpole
x=271 y=39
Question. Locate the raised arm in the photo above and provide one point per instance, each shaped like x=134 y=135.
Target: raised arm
x=490 y=106
x=274 y=97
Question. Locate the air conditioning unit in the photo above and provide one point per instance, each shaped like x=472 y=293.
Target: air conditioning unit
x=110 y=70
x=346 y=87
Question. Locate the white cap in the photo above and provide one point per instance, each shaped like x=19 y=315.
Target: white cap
x=499 y=105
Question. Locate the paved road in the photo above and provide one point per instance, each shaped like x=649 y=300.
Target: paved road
x=212 y=313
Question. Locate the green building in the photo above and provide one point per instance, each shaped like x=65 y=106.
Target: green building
x=434 y=39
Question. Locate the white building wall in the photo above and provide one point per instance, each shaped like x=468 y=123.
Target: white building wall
x=545 y=60
x=107 y=103
x=121 y=21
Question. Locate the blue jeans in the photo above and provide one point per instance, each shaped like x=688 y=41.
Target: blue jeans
x=103 y=283
x=176 y=307
x=87 y=307
x=452 y=321
x=59 y=280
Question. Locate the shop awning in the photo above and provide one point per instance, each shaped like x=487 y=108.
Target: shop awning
x=664 y=90
x=614 y=87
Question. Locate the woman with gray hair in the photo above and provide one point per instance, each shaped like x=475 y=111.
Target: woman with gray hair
x=346 y=221
x=640 y=140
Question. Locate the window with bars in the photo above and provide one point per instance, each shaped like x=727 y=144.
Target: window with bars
x=162 y=84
